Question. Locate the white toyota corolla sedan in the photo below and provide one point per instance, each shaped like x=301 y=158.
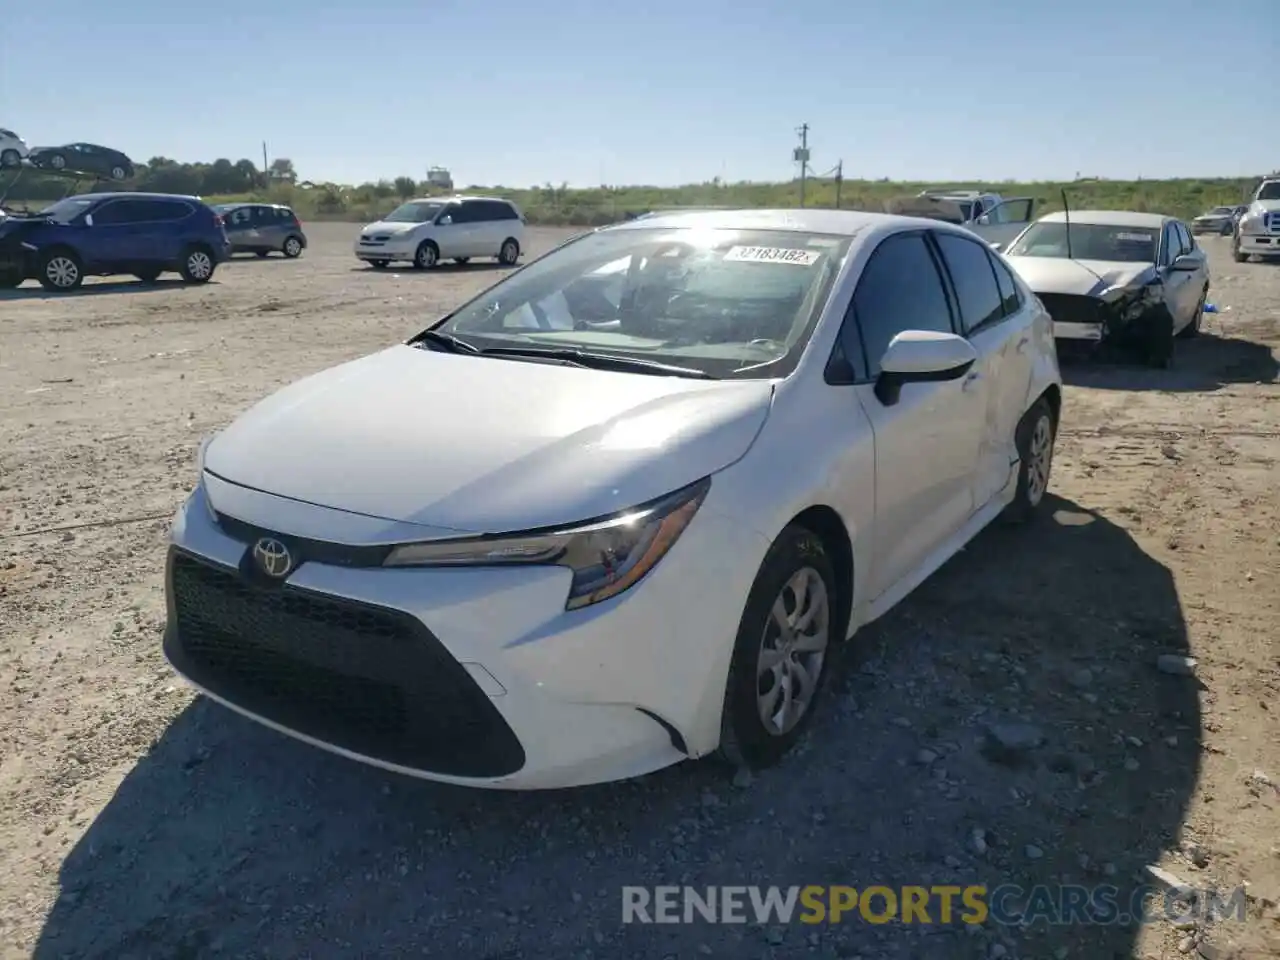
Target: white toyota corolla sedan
x=619 y=509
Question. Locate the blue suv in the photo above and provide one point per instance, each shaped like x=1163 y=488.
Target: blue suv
x=99 y=234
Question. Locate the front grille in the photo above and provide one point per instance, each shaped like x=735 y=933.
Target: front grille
x=1272 y=222
x=364 y=678
x=1073 y=308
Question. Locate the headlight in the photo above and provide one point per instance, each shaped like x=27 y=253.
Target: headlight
x=1250 y=220
x=607 y=557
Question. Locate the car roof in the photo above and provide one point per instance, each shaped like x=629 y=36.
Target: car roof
x=845 y=223
x=1109 y=218
x=134 y=195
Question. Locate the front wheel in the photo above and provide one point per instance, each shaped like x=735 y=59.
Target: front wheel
x=1034 y=439
x=10 y=158
x=781 y=651
x=61 y=270
x=118 y=173
x=1240 y=255
x=1158 y=338
x=58 y=162
x=197 y=266
x=426 y=256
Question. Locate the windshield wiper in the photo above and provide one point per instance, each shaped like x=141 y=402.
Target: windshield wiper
x=447 y=340
x=601 y=361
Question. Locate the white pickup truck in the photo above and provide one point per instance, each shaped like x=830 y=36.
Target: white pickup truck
x=995 y=218
x=1257 y=232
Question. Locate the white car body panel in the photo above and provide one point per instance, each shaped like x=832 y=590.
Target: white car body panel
x=409 y=445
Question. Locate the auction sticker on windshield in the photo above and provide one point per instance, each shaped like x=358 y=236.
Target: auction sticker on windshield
x=1136 y=237
x=799 y=258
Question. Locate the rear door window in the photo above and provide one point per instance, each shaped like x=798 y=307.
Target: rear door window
x=117 y=212
x=974 y=280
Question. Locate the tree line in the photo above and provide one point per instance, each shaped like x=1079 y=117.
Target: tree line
x=226 y=180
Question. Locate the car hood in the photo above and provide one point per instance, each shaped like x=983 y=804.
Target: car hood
x=482 y=445
x=392 y=228
x=1264 y=206
x=1214 y=216
x=1085 y=277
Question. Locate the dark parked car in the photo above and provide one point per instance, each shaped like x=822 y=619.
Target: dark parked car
x=263 y=227
x=1219 y=220
x=90 y=158
x=99 y=234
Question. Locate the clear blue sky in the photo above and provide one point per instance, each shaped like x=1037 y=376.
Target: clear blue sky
x=518 y=92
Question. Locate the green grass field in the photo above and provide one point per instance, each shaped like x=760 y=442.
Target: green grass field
x=559 y=205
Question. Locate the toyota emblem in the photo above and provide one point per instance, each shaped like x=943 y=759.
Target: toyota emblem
x=273 y=557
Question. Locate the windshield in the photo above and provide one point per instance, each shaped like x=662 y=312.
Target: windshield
x=1089 y=241
x=1269 y=191
x=64 y=211
x=732 y=303
x=1220 y=211
x=415 y=211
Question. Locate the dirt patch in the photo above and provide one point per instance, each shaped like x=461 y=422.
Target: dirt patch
x=136 y=821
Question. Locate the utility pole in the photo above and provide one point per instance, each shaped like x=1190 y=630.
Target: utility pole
x=801 y=157
x=266 y=174
x=839 y=180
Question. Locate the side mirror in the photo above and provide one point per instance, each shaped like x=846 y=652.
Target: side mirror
x=922 y=356
x=997 y=246
x=444 y=221
x=88 y=219
x=1186 y=263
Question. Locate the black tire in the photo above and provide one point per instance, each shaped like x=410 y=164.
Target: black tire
x=262 y=254
x=198 y=264
x=1192 y=329
x=10 y=158
x=378 y=264
x=60 y=270
x=58 y=161
x=509 y=252
x=462 y=261
x=426 y=256
x=1158 y=339
x=745 y=741
x=1240 y=255
x=1033 y=471
x=119 y=173
x=148 y=276
x=292 y=248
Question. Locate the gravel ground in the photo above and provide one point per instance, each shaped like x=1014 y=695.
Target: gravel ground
x=136 y=821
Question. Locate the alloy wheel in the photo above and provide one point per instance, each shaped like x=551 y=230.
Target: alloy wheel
x=793 y=651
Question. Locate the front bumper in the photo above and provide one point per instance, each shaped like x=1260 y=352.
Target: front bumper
x=1260 y=244
x=469 y=676
x=389 y=251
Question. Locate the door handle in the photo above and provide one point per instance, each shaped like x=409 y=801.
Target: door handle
x=971 y=379
x=1022 y=343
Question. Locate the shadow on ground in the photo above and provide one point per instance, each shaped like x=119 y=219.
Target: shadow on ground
x=227 y=839
x=1205 y=363
x=33 y=291
x=448 y=266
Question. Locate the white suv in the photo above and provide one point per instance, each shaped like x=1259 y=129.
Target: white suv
x=13 y=149
x=424 y=232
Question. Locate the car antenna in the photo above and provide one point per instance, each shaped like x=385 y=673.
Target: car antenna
x=1066 y=214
